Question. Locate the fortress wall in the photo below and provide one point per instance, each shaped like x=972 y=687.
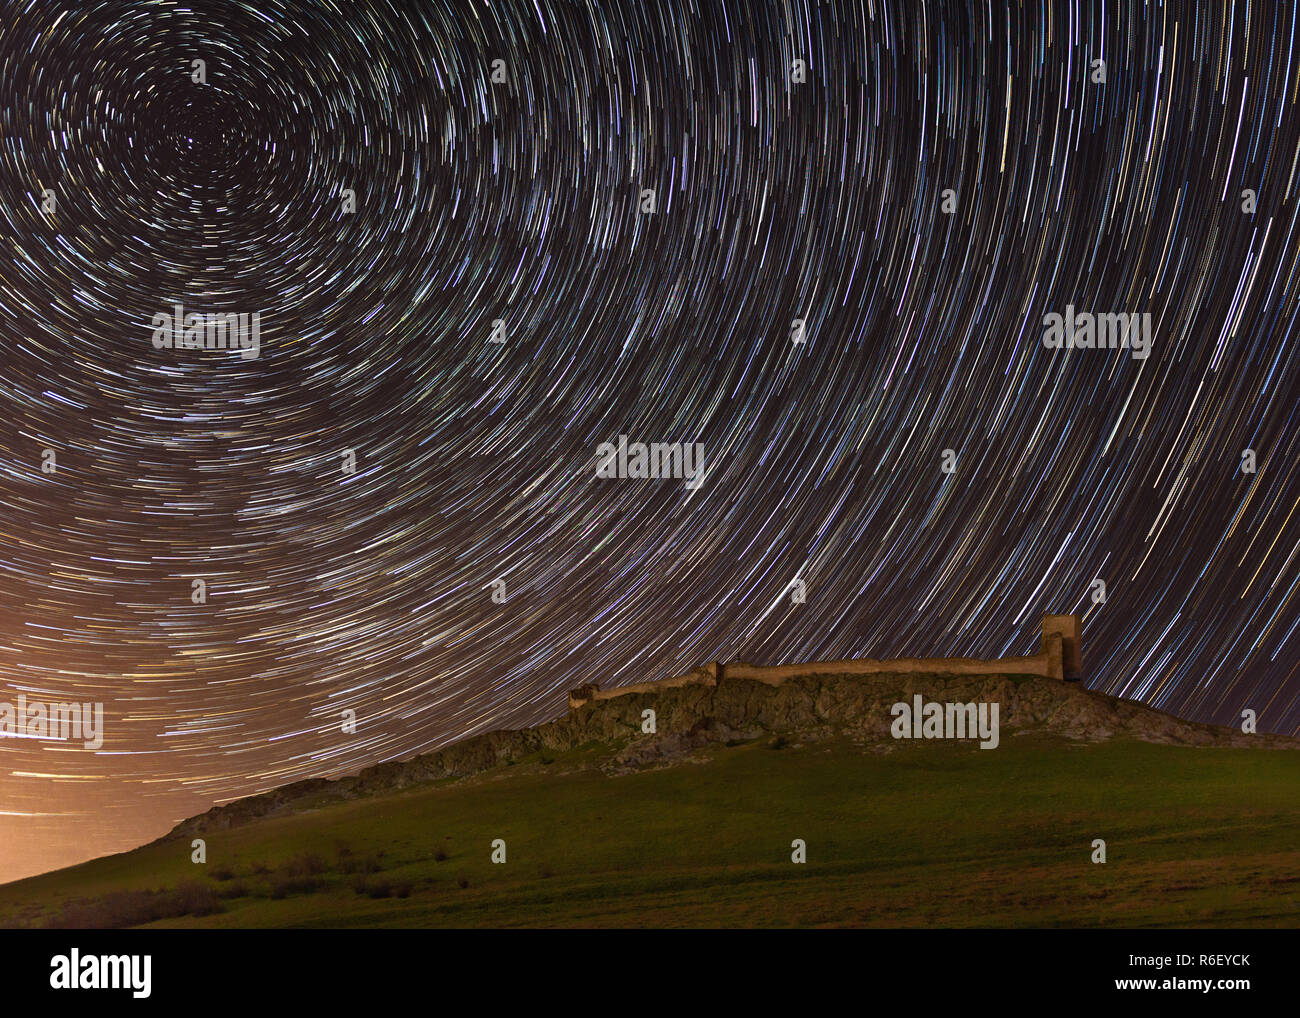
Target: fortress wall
x=1058 y=658
x=695 y=677
x=1037 y=664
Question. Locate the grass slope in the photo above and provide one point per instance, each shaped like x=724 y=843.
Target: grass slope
x=929 y=834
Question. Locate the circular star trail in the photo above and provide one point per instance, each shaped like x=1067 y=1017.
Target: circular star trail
x=483 y=239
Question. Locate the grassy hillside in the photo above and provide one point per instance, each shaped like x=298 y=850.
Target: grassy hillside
x=912 y=834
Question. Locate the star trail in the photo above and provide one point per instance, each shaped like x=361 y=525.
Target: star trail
x=817 y=240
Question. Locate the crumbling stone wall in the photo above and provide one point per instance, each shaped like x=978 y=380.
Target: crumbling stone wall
x=1059 y=657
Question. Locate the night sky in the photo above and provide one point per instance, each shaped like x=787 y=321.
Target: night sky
x=521 y=200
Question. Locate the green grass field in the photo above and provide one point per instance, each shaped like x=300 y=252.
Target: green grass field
x=930 y=834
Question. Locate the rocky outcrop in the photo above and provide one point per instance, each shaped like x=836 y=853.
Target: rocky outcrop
x=691 y=717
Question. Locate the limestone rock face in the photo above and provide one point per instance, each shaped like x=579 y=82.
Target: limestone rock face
x=690 y=718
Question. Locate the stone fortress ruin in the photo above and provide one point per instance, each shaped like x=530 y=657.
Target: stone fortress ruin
x=1059 y=657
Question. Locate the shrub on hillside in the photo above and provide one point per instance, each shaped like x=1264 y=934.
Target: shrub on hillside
x=305 y=865
x=382 y=887
x=283 y=886
x=120 y=909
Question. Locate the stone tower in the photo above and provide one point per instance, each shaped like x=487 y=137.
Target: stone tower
x=584 y=694
x=1070 y=627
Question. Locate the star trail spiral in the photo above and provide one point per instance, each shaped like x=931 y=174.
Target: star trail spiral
x=439 y=211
